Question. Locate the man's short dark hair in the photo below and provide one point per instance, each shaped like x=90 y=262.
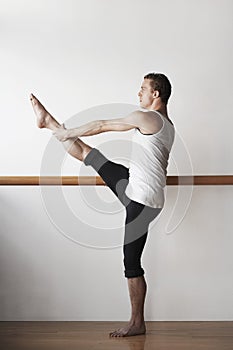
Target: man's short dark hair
x=160 y=82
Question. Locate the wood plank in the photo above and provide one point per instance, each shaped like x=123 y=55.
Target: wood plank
x=198 y=180
x=62 y=335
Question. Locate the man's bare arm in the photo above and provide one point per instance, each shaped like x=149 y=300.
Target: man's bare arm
x=98 y=126
x=148 y=122
x=136 y=119
x=104 y=125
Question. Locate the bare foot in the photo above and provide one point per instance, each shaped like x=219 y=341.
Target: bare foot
x=129 y=330
x=44 y=118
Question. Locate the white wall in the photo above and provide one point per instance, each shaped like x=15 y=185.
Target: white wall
x=77 y=56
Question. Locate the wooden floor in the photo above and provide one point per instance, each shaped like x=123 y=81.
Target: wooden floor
x=95 y=336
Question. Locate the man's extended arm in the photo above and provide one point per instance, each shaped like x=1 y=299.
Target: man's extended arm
x=98 y=126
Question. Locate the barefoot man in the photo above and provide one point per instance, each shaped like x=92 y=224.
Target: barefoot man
x=140 y=188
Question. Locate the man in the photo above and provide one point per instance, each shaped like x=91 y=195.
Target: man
x=140 y=188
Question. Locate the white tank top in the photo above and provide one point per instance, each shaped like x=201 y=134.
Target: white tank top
x=148 y=164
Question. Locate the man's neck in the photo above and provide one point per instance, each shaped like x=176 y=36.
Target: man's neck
x=163 y=111
x=157 y=105
x=160 y=108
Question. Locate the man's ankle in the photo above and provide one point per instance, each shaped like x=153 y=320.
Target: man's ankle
x=137 y=321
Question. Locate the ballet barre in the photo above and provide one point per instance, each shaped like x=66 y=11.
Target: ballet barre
x=98 y=181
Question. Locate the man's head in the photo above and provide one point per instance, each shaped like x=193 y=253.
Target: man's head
x=155 y=88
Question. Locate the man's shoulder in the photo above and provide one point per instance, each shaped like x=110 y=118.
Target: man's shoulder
x=147 y=116
x=139 y=114
x=147 y=121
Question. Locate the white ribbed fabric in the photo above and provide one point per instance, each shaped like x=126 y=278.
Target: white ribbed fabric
x=148 y=164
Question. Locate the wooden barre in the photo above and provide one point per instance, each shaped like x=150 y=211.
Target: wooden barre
x=98 y=181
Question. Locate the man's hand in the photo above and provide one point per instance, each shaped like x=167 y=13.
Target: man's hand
x=62 y=134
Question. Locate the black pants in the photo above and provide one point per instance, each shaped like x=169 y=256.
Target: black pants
x=138 y=216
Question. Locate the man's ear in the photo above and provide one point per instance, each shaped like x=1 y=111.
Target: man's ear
x=156 y=94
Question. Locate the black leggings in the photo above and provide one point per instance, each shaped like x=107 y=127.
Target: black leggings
x=138 y=216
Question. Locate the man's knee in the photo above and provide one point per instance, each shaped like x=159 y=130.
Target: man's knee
x=133 y=267
x=85 y=151
x=134 y=273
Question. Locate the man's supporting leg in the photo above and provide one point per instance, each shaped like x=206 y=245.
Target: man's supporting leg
x=78 y=149
x=136 y=231
x=136 y=281
x=137 y=223
x=137 y=288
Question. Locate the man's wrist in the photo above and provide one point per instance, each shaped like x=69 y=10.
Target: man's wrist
x=72 y=133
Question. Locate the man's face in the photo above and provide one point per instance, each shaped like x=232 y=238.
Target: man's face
x=146 y=94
